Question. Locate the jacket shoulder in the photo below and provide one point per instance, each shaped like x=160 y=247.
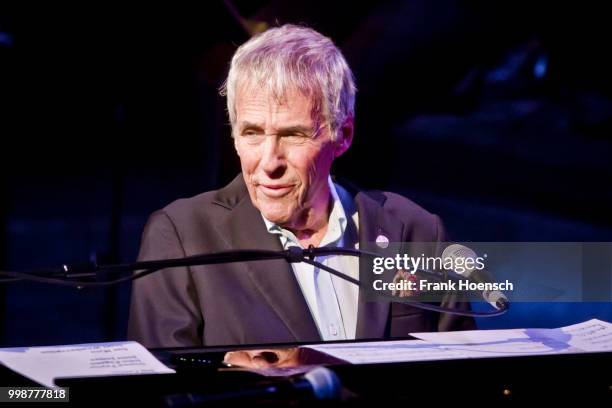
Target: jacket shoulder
x=399 y=204
x=190 y=204
x=422 y=224
x=210 y=203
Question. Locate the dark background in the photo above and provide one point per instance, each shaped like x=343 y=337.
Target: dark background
x=495 y=115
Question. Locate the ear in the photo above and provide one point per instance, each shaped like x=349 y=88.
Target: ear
x=344 y=138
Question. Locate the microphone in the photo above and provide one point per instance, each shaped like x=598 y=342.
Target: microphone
x=457 y=251
x=317 y=384
x=94 y=275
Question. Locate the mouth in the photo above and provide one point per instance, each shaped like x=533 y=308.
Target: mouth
x=275 y=190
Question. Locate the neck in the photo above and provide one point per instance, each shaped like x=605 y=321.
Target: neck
x=312 y=224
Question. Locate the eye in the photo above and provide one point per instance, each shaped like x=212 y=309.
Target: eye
x=295 y=137
x=252 y=136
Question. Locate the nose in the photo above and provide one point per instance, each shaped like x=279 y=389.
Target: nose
x=273 y=157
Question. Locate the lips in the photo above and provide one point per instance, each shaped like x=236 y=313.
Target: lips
x=275 y=190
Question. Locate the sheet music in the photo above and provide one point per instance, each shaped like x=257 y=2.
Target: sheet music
x=44 y=364
x=386 y=351
x=591 y=336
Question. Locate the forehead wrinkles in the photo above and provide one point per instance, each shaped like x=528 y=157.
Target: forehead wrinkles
x=255 y=105
x=251 y=98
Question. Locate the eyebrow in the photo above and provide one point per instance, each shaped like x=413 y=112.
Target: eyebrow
x=248 y=125
x=289 y=129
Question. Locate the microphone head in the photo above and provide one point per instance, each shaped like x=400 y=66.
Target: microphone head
x=457 y=251
x=324 y=382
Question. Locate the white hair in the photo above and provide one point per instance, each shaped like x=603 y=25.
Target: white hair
x=294 y=57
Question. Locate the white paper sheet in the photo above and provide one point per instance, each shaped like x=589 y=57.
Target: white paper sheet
x=44 y=364
x=591 y=336
x=386 y=351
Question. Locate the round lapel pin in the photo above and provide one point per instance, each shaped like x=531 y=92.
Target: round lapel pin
x=382 y=241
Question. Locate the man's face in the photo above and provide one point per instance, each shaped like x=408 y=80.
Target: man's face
x=285 y=155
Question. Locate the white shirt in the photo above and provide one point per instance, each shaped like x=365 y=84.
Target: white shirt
x=342 y=231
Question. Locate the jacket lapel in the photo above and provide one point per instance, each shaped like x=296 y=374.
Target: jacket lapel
x=372 y=317
x=244 y=228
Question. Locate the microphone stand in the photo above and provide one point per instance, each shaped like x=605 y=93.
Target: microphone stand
x=89 y=274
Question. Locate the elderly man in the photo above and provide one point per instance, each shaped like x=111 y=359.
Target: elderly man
x=290 y=98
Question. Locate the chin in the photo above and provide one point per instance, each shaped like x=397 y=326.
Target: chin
x=277 y=218
x=276 y=215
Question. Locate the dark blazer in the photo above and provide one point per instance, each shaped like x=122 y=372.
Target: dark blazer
x=259 y=302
